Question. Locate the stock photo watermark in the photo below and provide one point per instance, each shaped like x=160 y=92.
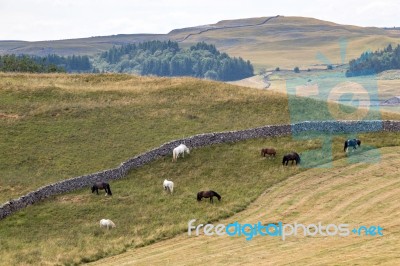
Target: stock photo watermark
x=282 y=230
x=345 y=98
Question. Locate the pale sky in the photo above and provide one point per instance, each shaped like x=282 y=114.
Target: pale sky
x=34 y=20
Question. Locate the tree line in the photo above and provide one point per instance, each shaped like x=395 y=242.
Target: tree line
x=24 y=63
x=166 y=58
x=74 y=63
x=46 y=64
x=375 y=62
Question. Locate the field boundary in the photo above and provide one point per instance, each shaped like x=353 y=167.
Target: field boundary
x=228 y=27
x=200 y=140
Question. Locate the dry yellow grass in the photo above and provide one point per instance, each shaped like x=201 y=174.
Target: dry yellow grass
x=356 y=194
x=287 y=41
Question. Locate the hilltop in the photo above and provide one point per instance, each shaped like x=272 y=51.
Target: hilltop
x=269 y=42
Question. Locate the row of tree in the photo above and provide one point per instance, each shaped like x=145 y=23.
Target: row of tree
x=74 y=63
x=374 y=62
x=47 y=64
x=24 y=63
x=168 y=59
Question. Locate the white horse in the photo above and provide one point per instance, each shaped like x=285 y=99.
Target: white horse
x=168 y=185
x=107 y=223
x=181 y=149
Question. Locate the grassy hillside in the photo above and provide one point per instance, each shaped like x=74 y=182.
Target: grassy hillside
x=282 y=42
x=356 y=194
x=142 y=211
x=379 y=87
x=81 y=46
x=58 y=126
x=286 y=42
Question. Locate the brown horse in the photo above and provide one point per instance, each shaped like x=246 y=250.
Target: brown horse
x=208 y=194
x=293 y=156
x=270 y=151
x=101 y=185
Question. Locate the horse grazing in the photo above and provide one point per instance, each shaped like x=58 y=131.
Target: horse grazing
x=270 y=151
x=168 y=185
x=208 y=194
x=102 y=185
x=351 y=143
x=107 y=223
x=181 y=149
x=293 y=156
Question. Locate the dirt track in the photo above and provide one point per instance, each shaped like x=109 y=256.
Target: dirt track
x=356 y=194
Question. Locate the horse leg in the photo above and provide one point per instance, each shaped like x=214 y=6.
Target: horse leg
x=211 y=199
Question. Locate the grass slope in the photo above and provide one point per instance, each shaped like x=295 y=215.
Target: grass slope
x=144 y=214
x=58 y=126
x=286 y=42
x=356 y=194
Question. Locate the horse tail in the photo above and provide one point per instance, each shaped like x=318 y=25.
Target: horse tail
x=109 y=190
x=283 y=160
x=345 y=146
x=174 y=155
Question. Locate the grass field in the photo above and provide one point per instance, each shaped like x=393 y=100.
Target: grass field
x=143 y=213
x=287 y=42
x=58 y=126
x=355 y=194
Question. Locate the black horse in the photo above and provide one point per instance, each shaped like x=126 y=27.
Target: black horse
x=293 y=156
x=351 y=143
x=208 y=194
x=101 y=185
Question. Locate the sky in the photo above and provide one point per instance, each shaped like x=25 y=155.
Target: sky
x=35 y=20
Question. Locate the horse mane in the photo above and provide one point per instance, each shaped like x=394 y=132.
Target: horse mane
x=216 y=194
x=297 y=157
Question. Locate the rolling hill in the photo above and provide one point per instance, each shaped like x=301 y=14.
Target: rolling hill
x=269 y=42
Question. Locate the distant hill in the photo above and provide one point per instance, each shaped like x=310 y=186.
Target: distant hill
x=269 y=42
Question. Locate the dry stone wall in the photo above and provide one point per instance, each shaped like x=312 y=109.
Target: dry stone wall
x=200 y=140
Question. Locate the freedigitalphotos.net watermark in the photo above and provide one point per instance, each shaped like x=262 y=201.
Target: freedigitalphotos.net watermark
x=340 y=97
x=282 y=230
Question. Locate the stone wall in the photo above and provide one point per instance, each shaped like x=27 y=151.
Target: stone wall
x=194 y=142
